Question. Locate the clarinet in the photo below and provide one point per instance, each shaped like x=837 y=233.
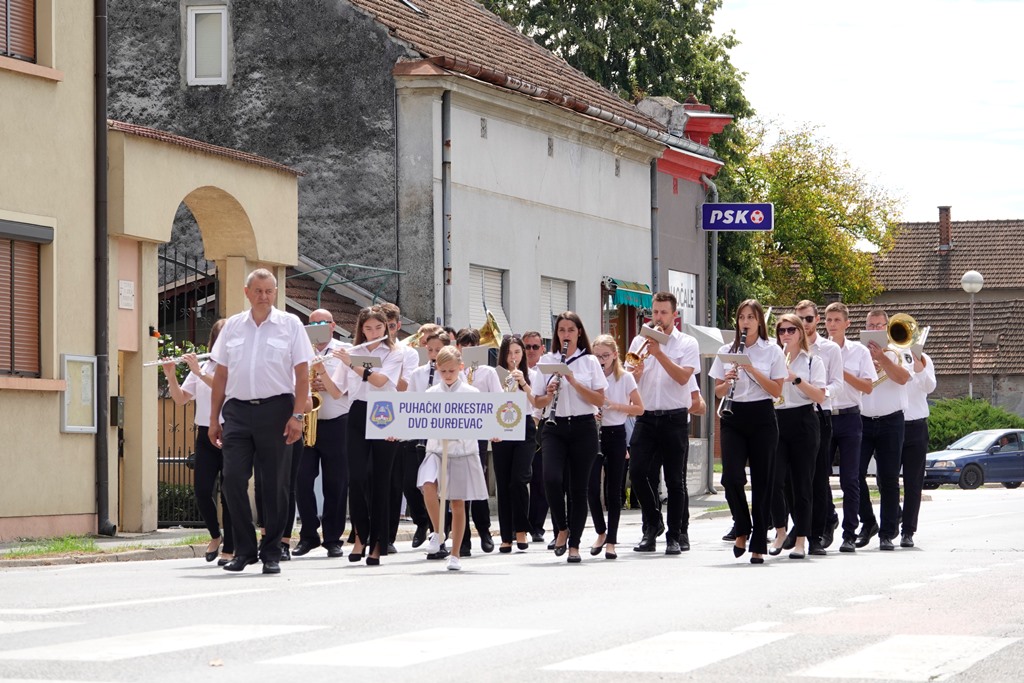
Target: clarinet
x=726 y=406
x=430 y=378
x=558 y=388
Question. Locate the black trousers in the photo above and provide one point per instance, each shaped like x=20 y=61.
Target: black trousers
x=822 y=507
x=613 y=463
x=209 y=467
x=328 y=459
x=661 y=439
x=403 y=483
x=369 y=470
x=882 y=437
x=254 y=437
x=750 y=434
x=915 y=450
x=538 y=500
x=846 y=436
x=570 y=447
x=298 y=448
x=513 y=470
x=794 y=462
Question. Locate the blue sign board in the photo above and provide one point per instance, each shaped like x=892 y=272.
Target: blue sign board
x=738 y=216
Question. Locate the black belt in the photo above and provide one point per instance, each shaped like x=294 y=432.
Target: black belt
x=664 y=413
x=883 y=417
x=261 y=401
x=321 y=420
x=570 y=418
x=914 y=422
x=846 y=411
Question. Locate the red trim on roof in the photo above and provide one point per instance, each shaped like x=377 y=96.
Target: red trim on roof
x=687 y=166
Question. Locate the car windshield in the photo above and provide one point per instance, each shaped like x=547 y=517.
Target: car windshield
x=973 y=441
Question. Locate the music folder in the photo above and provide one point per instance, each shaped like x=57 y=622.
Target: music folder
x=318 y=334
x=880 y=337
x=651 y=333
x=365 y=361
x=554 y=368
x=735 y=358
x=474 y=356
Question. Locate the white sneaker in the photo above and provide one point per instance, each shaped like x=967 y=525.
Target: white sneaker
x=433 y=543
x=454 y=564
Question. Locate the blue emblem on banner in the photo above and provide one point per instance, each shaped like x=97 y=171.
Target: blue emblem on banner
x=383 y=414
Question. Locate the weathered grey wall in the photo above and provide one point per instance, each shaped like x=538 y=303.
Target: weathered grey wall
x=311 y=88
x=1005 y=391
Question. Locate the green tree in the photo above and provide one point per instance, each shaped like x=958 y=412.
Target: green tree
x=823 y=208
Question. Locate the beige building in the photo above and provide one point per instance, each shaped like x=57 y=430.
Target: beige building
x=64 y=469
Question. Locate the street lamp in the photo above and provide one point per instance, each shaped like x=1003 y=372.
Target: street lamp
x=971 y=282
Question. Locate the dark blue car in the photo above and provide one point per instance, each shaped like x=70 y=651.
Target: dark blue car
x=989 y=456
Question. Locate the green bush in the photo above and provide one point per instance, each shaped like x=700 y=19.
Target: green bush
x=953 y=418
x=176 y=503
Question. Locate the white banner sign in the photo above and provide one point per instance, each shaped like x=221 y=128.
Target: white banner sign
x=684 y=286
x=436 y=415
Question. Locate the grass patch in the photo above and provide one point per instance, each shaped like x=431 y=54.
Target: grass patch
x=62 y=545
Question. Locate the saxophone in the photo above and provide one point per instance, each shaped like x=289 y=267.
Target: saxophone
x=309 y=420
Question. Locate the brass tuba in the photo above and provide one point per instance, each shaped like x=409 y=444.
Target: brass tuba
x=903 y=331
x=490 y=333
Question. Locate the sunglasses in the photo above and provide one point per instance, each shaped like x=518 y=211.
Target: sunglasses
x=785 y=330
x=533 y=347
x=807 y=318
x=515 y=337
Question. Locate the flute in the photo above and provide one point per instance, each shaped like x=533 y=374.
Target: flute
x=175 y=360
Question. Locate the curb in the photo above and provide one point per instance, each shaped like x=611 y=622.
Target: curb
x=177 y=552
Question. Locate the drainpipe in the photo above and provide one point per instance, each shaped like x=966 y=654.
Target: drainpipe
x=655 y=254
x=446 y=203
x=709 y=383
x=102 y=255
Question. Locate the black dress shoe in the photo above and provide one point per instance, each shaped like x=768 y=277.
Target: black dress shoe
x=222 y=562
x=647 y=544
x=211 y=555
x=672 y=547
x=504 y=548
x=237 y=564
x=286 y=552
x=560 y=550
x=848 y=546
x=816 y=549
x=907 y=541
x=551 y=545
x=303 y=547
x=885 y=543
x=574 y=559
x=829 y=533
x=440 y=554
x=486 y=542
x=794 y=555
x=609 y=555
x=537 y=536
x=867 y=532
x=756 y=560
x=523 y=546
x=731 y=536
x=466 y=550
x=271 y=567
x=333 y=550
x=420 y=536
x=790 y=541
x=392 y=550
x=684 y=542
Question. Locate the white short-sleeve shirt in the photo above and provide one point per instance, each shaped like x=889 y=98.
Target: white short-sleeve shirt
x=657 y=388
x=856 y=361
x=391 y=360
x=200 y=392
x=767 y=357
x=810 y=369
x=587 y=371
x=618 y=391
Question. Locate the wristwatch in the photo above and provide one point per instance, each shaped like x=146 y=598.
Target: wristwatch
x=797 y=381
x=298 y=416
x=366 y=374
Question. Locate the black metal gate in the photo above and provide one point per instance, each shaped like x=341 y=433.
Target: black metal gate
x=187 y=310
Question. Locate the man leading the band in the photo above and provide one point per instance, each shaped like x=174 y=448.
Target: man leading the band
x=662 y=431
x=261 y=383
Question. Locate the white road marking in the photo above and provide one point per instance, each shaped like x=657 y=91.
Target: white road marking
x=673 y=652
x=943 y=577
x=133 y=645
x=808 y=611
x=911 y=658
x=758 y=626
x=27 y=611
x=908 y=585
x=407 y=649
x=22 y=626
x=865 y=598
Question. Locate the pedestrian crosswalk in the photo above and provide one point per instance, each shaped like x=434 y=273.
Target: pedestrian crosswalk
x=899 y=657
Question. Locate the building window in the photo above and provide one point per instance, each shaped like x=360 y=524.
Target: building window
x=19 y=297
x=18 y=29
x=554 y=300
x=487 y=288
x=207 y=45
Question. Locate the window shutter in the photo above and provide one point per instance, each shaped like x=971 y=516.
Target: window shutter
x=21 y=16
x=25 y=307
x=487 y=284
x=554 y=299
x=6 y=300
x=209 y=46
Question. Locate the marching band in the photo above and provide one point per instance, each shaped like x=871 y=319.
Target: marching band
x=289 y=408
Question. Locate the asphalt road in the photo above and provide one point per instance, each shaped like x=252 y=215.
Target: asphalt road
x=950 y=609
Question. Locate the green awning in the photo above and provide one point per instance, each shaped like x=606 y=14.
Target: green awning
x=631 y=293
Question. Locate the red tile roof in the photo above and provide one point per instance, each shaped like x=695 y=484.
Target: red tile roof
x=465 y=30
x=303 y=289
x=915 y=263
x=196 y=145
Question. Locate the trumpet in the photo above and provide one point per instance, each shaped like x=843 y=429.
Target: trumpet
x=175 y=360
x=633 y=360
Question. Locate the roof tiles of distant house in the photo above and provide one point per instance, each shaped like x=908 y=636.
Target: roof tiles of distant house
x=916 y=263
x=302 y=290
x=463 y=29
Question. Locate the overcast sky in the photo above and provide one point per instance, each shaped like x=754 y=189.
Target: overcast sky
x=925 y=96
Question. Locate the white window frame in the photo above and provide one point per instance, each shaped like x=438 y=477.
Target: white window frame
x=487 y=283
x=190 y=44
x=554 y=299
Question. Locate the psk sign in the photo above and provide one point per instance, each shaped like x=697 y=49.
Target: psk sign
x=738 y=216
